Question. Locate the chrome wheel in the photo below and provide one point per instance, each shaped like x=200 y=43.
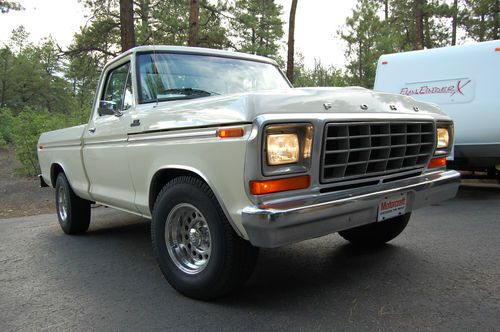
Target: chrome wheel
x=62 y=204
x=188 y=239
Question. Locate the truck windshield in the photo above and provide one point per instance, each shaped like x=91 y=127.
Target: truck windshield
x=171 y=76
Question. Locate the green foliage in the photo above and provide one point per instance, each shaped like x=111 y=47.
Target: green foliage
x=36 y=95
x=43 y=87
x=213 y=33
x=481 y=19
x=6 y=6
x=401 y=24
x=252 y=26
x=389 y=26
x=156 y=22
x=32 y=76
x=26 y=129
x=6 y=120
x=319 y=75
x=257 y=26
x=365 y=35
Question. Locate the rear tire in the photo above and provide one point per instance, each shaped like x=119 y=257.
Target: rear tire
x=73 y=212
x=198 y=251
x=376 y=234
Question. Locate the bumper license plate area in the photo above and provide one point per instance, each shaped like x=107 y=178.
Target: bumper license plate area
x=392 y=206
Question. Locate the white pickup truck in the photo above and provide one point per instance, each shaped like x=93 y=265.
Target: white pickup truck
x=224 y=156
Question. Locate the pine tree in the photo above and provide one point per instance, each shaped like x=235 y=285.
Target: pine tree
x=482 y=19
x=365 y=34
x=257 y=26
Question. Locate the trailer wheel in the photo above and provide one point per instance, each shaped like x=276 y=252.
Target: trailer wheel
x=73 y=212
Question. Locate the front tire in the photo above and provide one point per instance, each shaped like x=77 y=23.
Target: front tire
x=73 y=212
x=376 y=234
x=198 y=251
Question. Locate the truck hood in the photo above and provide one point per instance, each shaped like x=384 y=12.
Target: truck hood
x=246 y=107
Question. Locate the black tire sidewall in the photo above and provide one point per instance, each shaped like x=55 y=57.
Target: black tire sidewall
x=63 y=182
x=378 y=233
x=191 y=194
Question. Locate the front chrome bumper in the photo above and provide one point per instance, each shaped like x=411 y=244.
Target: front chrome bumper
x=279 y=223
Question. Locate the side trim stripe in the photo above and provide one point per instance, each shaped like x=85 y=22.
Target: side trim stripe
x=111 y=141
x=144 y=137
x=61 y=145
x=168 y=136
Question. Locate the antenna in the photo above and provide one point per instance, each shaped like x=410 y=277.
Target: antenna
x=154 y=65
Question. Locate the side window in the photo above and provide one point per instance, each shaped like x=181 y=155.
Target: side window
x=128 y=97
x=118 y=91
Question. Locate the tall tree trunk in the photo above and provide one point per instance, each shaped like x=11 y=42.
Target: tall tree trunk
x=360 y=61
x=291 y=41
x=386 y=9
x=127 y=24
x=482 y=28
x=194 y=23
x=427 y=33
x=144 y=16
x=419 y=24
x=253 y=40
x=454 y=23
x=496 y=20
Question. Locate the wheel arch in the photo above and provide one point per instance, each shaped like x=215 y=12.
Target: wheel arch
x=166 y=174
x=55 y=169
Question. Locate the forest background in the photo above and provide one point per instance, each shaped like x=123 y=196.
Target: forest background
x=45 y=86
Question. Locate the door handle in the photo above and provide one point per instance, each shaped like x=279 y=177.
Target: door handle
x=135 y=123
x=92 y=130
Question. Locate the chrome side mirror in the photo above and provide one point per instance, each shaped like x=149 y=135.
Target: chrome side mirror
x=107 y=107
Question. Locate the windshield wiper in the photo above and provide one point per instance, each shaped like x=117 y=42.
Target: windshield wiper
x=188 y=92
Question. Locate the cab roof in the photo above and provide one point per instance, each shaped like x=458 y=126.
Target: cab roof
x=192 y=50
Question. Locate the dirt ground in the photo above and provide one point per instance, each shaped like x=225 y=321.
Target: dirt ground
x=21 y=196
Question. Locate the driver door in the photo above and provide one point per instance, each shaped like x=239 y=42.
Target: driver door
x=105 y=141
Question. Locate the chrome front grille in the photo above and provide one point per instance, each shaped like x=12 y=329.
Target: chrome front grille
x=353 y=150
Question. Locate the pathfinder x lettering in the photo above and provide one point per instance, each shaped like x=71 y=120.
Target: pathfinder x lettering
x=429 y=90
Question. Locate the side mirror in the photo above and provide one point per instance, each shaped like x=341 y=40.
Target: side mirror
x=107 y=107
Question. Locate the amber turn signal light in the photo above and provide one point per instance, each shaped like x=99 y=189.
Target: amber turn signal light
x=437 y=162
x=273 y=186
x=230 y=132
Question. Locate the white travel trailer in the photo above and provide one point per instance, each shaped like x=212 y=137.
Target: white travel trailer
x=465 y=81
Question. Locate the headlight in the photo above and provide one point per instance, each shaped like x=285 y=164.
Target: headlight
x=443 y=138
x=282 y=149
x=287 y=148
